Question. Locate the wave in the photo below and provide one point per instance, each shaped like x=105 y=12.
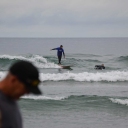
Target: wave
x=49 y=62
x=38 y=60
x=32 y=97
x=86 y=99
x=79 y=102
x=63 y=98
x=112 y=76
x=123 y=58
x=46 y=62
x=120 y=101
x=71 y=97
x=78 y=98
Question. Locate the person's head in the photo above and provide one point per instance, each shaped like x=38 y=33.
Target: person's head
x=102 y=64
x=61 y=46
x=23 y=77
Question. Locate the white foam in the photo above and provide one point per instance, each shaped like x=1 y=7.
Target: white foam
x=120 y=101
x=2 y=75
x=113 y=76
x=42 y=97
x=12 y=57
x=39 y=61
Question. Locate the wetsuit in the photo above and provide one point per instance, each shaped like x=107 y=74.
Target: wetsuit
x=59 y=53
x=99 y=67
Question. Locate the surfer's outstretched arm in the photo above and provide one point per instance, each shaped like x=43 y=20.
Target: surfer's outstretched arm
x=54 y=49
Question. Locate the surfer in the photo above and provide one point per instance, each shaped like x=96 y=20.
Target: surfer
x=60 y=50
x=100 y=66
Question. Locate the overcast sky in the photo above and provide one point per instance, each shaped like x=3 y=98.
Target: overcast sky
x=63 y=18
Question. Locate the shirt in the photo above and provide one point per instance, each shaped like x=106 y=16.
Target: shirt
x=59 y=51
x=10 y=116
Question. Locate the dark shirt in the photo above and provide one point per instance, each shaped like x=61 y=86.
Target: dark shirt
x=59 y=51
x=10 y=116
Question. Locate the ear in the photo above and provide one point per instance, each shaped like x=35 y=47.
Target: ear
x=13 y=79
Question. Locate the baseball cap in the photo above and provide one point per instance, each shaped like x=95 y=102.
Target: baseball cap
x=28 y=74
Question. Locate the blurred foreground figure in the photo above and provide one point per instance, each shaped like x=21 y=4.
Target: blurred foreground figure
x=22 y=78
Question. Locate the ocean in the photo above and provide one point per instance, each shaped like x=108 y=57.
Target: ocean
x=81 y=97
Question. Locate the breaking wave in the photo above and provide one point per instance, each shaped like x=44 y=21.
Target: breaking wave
x=38 y=60
x=112 y=76
x=120 y=101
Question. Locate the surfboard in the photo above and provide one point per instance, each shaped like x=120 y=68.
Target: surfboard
x=65 y=66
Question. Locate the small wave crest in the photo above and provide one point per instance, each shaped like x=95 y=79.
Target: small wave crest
x=120 y=101
x=123 y=58
x=32 y=97
x=38 y=60
x=71 y=98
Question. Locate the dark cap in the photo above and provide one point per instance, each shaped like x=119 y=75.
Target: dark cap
x=28 y=74
x=61 y=45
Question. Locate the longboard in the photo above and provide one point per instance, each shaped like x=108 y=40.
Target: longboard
x=65 y=67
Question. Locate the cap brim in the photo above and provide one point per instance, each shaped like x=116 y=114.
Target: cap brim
x=34 y=90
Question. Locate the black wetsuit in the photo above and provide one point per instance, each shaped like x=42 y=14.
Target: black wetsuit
x=99 y=67
x=59 y=59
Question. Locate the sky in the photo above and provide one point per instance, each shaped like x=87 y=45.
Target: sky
x=63 y=18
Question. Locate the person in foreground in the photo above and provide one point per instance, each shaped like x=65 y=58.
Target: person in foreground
x=22 y=78
x=100 y=67
x=60 y=50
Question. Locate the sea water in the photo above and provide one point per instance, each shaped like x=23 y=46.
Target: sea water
x=78 y=98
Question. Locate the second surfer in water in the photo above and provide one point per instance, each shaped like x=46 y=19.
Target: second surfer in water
x=100 y=67
x=60 y=50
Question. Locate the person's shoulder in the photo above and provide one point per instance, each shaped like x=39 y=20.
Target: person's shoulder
x=7 y=100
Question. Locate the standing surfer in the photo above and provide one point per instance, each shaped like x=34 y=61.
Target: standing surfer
x=60 y=50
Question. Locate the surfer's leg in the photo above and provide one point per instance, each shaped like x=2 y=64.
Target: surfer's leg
x=59 y=59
